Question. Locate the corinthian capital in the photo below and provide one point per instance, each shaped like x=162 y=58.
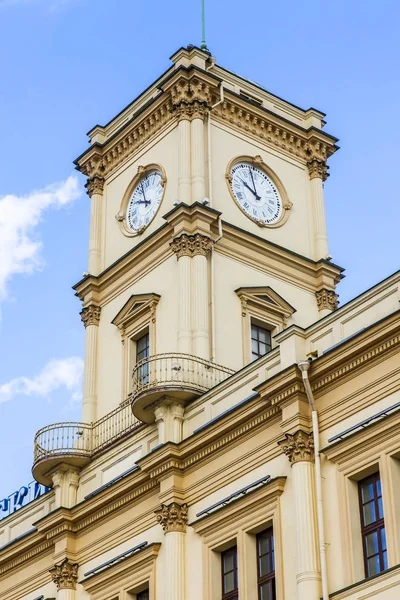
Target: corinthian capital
x=94 y=185
x=191 y=245
x=318 y=168
x=327 y=299
x=65 y=575
x=173 y=517
x=90 y=315
x=298 y=447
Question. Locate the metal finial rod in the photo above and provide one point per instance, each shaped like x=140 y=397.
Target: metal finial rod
x=203 y=44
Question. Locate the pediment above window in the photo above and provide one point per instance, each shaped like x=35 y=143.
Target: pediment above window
x=263 y=302
x=137 y=307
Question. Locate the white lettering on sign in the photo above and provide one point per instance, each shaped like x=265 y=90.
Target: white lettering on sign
x=21 y=498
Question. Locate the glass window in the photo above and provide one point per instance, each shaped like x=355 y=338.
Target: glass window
x=143 y=351
x=229 y=574
x=266 y=565
x=143 y=595
x=372 y=525
x=260 y=341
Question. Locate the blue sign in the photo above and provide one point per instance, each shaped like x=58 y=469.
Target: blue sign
x=21 y=498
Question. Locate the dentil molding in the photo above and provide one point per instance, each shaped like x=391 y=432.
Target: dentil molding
x=65 y=575
x=173 y=517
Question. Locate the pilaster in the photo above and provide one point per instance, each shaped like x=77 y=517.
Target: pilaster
x=173 y=518
x=65 y=485
x=65 y=576
x=90 y=317
x=318 y=172
x=95 y=188
x=169 y=419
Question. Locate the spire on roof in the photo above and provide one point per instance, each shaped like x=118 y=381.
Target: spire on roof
x=203 y=45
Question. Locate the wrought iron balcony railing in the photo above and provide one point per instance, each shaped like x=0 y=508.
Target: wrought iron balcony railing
x=76 y=443
x=182 y=376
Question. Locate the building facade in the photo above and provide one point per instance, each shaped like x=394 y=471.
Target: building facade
x=240 y=433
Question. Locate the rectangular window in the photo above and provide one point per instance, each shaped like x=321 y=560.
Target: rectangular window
x=266 y=565
x=260 y=341
x=143 y=351
x=143 y=595
x=372 y=525
x=229 y=574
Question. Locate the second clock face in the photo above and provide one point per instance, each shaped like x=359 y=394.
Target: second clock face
x=144 y=200
x=255 y=193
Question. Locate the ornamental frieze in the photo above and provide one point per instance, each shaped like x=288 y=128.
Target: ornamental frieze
x=327 y=299
x=298 y=447
x=173 y=517
x=65 y=575
x=191 y=245
x=91 y=315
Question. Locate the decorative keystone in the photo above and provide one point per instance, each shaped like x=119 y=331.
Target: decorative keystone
x=65 y=575
x=327 y=299
x=90 y=315
x=298 y=447
x=173 y=517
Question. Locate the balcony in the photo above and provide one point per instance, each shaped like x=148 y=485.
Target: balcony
x=75 y=444
x=183 y=377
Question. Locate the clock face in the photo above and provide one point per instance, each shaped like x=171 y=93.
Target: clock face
x=255 y=193
x=145 y=200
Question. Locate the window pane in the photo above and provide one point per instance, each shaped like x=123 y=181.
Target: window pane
x=266 y=592
x=373 y=566
x=254 y=346
x=367 y=491
x=228 y=562
x=369 y=513
x=378 y=487
x=229 y=582
x=262 y=333
x=385 y=563
x=380 y=508
x=371 y=543
x=383 y=539
x=263 y=544
x=265 y=565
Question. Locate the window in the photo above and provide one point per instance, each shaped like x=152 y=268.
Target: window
x=229 y=574
x=372 y=525
x=260 y=341
x=266 y=565
x=143 y=351
x=143 y=595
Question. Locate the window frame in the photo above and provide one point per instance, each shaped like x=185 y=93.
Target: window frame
x=269 y=577
x=254 y=324
x=234 y=594
x=375 y=526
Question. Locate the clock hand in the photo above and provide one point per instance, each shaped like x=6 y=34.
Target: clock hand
x=249 y=188
x=144 y=195
x=254 y=185
x=142 y=202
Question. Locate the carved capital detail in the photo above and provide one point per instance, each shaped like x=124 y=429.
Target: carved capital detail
x=173 y=517
x=191 y=99
x=94 y=185
x=327 y=299
x=65 y=575
x=298 y=447
x=191 y=245
x=90 y=315
x=318 y=168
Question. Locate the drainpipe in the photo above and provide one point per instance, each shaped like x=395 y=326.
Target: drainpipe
x=219 y=221
x=304 y=366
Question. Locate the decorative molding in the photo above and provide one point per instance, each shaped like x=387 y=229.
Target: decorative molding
x=94 y=185
x=191 y=99
x=90 y=315
x=327 y=299
x=318 y=169
x=191 y=245
x=24 y=557
x=173 y=517
x=298 y=447
x=65 y=575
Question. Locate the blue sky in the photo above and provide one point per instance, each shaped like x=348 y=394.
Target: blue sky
x=66 y=65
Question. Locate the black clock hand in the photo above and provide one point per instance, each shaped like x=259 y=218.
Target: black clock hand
x=249 y=188
x=254 y=185
x=144 y=195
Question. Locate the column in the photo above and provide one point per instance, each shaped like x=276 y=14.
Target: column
x=65 y=485
x=65 y=576
x=173 y=519
x=169 y=419
x=184 y=191
x=90 y=317
x=318 y=174
x=200 y=293
x=198 y=155
x=299 y=447
x=95 y=187
x=327 y=301
x=181 y=246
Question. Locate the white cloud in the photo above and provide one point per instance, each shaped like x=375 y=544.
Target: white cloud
x=57 y=373
x=20 y=245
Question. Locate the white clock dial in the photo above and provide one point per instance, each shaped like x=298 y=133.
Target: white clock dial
x=255 y=193
x=144 y=201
